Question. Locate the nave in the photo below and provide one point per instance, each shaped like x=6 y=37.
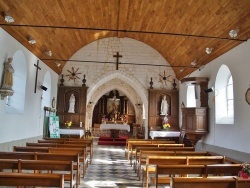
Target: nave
x=109 y=168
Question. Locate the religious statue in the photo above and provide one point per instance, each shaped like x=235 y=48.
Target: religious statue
x=164 y=106
x=8 y=75
x=72 y=101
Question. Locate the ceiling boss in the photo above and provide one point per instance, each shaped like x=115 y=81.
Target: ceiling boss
x=73 y=74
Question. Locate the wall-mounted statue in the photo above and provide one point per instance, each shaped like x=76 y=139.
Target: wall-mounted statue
x=164 y=106
x=8 y=75
x=72 y=101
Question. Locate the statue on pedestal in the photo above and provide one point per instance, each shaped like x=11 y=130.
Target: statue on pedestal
x=7 y=83
x=164 y=106
x=72 y=101
x=8 y=75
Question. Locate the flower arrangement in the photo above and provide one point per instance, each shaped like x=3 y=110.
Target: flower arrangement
x=68 y=123
x=245 y=171
x=166 y=126
x=103 y=119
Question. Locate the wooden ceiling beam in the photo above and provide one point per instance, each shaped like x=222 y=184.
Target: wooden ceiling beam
x=122 y=18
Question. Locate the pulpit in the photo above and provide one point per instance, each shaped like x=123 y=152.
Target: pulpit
x=194 y=123
x=195 y=120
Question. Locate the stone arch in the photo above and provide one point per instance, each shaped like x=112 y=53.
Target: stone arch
x=132 y=88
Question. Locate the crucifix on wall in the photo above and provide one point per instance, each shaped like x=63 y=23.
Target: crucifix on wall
x=117 y=59
x=37 y=67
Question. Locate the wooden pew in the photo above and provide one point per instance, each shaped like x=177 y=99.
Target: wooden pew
x=66 y=167
x=59 y=145
x=133 y=146
x=163 y=173
x=31 y=144
x=17 y=155
x=200 y=170
x=132 y=140
x=80 y=151
x=28 y=179
x=145 y=153
x=45 y=156
x=52 y=141
x=205 y=160
x=223 y=169
x=242 y=183
x=31 y=149
x=178 y=152
x=39 y=165
x=90 y=146
x=176 y=160
x=152 y=161
x=8 y=165
x=88 y=142
x=63 y=157
x=217 y=182
x=191 y=153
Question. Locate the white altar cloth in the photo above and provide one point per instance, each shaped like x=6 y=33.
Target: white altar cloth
x=79 y=132
x=154 y=134
x=115 y=127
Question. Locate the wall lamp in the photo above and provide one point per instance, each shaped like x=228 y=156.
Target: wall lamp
x=43 y=88
x=209 y=90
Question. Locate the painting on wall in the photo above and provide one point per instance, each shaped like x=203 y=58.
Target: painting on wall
x=113 y=108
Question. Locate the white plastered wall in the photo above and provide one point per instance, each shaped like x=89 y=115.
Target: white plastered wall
x=30 y=123
x=230 y=137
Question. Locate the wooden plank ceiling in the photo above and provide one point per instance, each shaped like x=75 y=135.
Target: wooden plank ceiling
x=180 y=30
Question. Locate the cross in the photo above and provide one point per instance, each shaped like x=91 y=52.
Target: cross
x=117 y=59
x=37 y=67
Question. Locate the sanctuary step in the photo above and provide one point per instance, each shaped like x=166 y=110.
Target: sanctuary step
x=106 y=140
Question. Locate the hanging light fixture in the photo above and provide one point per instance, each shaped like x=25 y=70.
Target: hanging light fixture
x=233 y=33
x=194 y=63
x=31 y=40
x=49 y=53
x=8 y=18
x=58 y=64
x=209 y=50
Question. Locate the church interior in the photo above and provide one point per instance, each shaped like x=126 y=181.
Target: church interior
x=111 y=71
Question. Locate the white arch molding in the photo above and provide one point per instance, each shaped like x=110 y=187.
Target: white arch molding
x=133 y=90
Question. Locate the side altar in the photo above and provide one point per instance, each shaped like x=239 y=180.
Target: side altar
x=164 y=134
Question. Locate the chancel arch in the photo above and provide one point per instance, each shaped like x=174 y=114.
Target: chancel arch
x=118 y=80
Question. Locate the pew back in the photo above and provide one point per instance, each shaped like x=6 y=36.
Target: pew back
x=184 y=182
x=27 y=179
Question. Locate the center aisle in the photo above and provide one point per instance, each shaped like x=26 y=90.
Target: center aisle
x=109 y=168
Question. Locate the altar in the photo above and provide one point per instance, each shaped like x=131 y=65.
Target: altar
x=71 y=132
x=115 y=129
x=165 y=134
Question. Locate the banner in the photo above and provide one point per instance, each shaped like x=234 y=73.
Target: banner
x=54 y=127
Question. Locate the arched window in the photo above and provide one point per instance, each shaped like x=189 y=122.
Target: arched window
x=230 y=97
x=191 y=102
x=15 y=103
x=224 y=99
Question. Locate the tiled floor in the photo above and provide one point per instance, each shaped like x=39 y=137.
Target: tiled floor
x=110 y=169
